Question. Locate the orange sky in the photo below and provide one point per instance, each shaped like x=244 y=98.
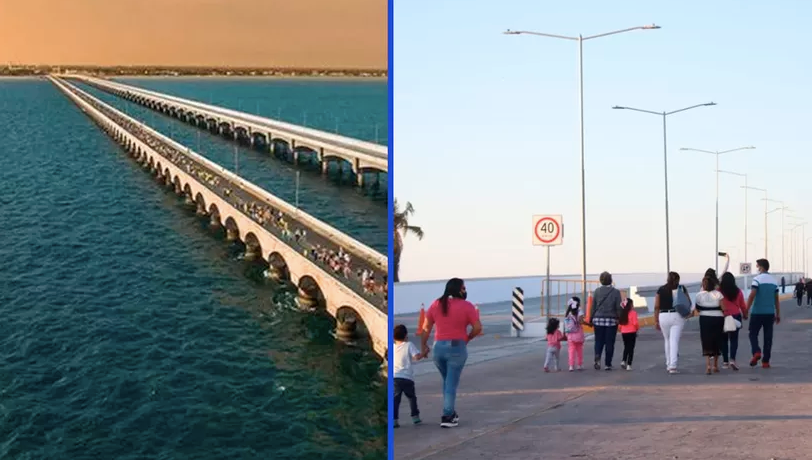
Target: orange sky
x=267 y=33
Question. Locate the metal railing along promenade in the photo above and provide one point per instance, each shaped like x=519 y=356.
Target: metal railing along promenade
x=257 y=204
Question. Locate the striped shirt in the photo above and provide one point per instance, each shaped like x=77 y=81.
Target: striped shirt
x=766 y=288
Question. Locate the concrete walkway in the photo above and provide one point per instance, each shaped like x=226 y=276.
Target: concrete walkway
x=511 y=409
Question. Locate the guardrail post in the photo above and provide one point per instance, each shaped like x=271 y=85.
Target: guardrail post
x=518 y=310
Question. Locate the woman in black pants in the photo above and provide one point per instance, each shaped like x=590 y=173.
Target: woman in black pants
x=604 y=318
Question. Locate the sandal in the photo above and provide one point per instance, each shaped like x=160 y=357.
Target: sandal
x=708 y=371
x=715 y=370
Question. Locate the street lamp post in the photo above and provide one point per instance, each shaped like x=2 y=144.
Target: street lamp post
x=793 y=245
x=765 y=213
x=745 y=207
x=665 y=168
x=806 y=256
x=717 y=153
x=581 y=39
x=783 y=228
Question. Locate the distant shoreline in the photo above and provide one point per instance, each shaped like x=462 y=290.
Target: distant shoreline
x=255 y=77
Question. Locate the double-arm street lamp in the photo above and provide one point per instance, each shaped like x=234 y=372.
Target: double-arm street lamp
x=581 y=39
x=717 y=154
x=665 y=168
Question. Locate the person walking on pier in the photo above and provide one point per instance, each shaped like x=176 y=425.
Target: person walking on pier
x=628 y=330
x=604 y=319
x=783 y=285
x=809 y=292
x=554 y=339
x=405 y=353
x=799 y=292
x=573 y=327
x=452 y=315
x=668 y=320
x=711 y=322
x=764 y=308
x=733 y=305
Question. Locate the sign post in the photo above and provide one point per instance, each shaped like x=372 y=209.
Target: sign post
x=548 y=230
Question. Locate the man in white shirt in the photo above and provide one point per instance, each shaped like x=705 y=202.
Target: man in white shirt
x=405 y=352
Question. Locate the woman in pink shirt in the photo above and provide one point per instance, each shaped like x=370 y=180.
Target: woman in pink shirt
x=452 y=315
x=732 y=305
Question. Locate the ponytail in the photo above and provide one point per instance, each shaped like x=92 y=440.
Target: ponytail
x=453 y=288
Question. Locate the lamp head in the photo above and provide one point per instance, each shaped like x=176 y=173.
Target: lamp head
x=709 y=104
x=510 y=32
x=651 y=27
x=617 y=107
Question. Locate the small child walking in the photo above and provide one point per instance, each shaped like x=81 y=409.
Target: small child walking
x=628 y=330
x=405 y=352
x=554 y=339
x=573 y=328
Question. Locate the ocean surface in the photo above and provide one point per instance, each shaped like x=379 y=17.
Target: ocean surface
x=128 y=331
x=349 y=209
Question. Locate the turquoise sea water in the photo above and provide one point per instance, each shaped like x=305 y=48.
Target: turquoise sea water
x=129 y=331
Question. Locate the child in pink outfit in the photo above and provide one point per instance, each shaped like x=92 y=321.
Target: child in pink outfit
x=628 y=330
x=573 y=326
x=554 y=339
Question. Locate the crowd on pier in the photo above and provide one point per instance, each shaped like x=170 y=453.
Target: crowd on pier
x=721 y=306
x=367 y=280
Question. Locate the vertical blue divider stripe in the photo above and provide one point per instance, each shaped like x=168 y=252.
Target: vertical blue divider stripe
x=390 y=442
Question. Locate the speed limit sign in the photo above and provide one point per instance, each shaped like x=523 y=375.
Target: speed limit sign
x=548 y=230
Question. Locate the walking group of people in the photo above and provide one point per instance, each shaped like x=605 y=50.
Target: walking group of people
x=801 y=287
x=720 y=305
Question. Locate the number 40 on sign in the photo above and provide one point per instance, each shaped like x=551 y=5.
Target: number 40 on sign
x=548 y=230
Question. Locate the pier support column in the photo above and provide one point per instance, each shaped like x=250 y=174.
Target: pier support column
x=325 y=166
x=359 y=179
x=214 y=221
x=307 y=300
x=276 y=274
x=187 y=200
x=231 y=234
x=347 y=330
x=168 y=181
x=178 y=190
x=201 y=210
x=296 y=157
x=251 y=252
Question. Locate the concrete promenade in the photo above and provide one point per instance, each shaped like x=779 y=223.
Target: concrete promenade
x=511 y=409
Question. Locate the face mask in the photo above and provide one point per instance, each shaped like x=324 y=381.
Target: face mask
x=463 y=295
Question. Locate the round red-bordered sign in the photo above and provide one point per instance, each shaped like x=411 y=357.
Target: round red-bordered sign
x=555 y=235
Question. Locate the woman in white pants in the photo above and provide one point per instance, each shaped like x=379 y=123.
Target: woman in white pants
x=668 y=320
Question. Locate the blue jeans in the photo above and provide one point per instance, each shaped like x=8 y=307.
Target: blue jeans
x=450 y=357
x=756 y=323
x=731 y=343
x=605 y=337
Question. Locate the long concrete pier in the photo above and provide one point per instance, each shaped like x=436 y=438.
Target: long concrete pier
x=300 y=142
x=330 y=269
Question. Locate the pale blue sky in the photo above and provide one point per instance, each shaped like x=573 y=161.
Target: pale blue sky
x=486 y=130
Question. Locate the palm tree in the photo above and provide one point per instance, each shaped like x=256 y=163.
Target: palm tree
x=402 y=228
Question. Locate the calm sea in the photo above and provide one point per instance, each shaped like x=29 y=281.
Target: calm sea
x=128 y=331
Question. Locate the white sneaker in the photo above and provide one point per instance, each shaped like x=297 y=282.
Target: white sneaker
x=572 y=368
x=580 y=368
x=628 y=367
